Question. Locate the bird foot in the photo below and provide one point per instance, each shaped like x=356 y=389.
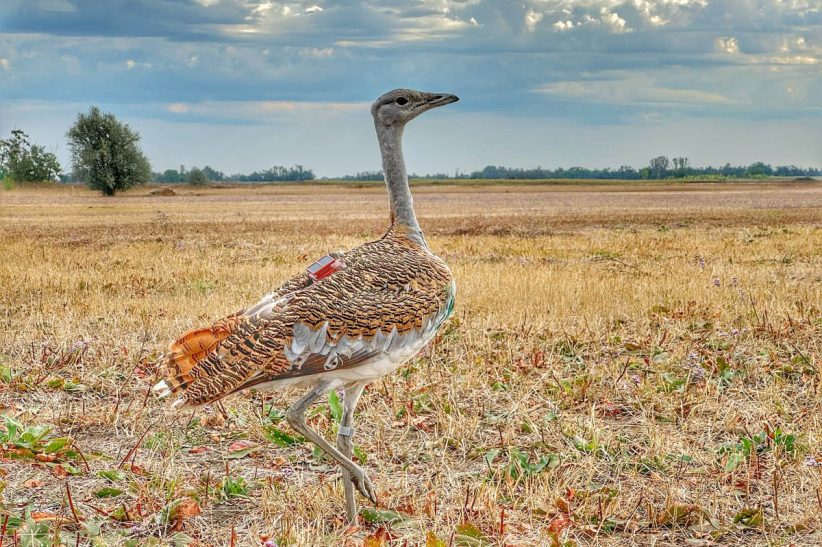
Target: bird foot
x=364 y=485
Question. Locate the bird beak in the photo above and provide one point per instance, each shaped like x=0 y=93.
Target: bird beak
x=440 y=99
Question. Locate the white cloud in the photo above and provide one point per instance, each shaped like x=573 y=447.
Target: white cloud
x=561 y=26
x=658 y=13
x=728 y=45
x=431 y=27
x=631 y=89
x=177 y=108
x=793 y=43
x=531 y=20
x=787 y=60
x=4 y=64
x=131 y=64
x=313 y=9
x=571 y=14
x=790 y=51
x=256 y=111
x=614 y=15
x=613 y=21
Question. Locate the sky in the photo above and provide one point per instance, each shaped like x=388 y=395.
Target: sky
x=243 y=85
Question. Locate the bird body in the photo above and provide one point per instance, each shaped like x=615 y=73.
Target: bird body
x=372 y=309
x=357 y=324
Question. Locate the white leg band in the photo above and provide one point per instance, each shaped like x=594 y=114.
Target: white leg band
x=345 y=431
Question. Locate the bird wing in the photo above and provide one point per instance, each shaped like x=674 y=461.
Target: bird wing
x=371 y=308
x=193 y=346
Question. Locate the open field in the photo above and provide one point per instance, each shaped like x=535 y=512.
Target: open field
x=632 y=364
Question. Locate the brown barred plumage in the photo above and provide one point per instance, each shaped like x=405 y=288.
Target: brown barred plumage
x=391 y=283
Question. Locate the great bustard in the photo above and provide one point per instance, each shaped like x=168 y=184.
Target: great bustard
x=350 y=319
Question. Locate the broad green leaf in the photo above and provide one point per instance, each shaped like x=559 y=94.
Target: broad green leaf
x=33 y=435
x=12 y=428
x=335 y=406
x=108 y=492
x=752 y=517
x=382 y=516
x=113 y=475
x=360 y=454
x=734 y=460
x=280 y=438
x=5 y=374
x=35 y=534
x=20 y=454
x=468 y=535
x=70 y=469
x=55 y=445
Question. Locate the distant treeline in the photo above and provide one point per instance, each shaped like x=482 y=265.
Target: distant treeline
x=275 y=174
x=660 y=167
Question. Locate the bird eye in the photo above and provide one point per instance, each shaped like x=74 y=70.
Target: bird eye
x=402 y=101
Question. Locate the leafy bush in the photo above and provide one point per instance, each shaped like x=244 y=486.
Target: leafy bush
x=21 y=161
x=197 y=177
x=106 y=154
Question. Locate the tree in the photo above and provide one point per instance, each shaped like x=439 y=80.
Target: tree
x=681 y=167
x=213 y=174
x=170 y=175
x=197 y=177
x=759 y=169
x=659 y=167
x=24 y=162
x=106 y=153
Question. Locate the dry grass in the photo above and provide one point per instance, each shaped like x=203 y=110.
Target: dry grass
x=635 y=340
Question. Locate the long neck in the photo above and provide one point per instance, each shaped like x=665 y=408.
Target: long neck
x=396 y=179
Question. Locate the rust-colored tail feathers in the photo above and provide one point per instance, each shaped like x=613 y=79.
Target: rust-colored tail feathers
x=191 y=348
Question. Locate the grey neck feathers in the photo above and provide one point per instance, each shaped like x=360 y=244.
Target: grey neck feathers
x=396 y=179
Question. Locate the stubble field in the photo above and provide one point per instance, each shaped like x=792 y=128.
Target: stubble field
x=627 y=364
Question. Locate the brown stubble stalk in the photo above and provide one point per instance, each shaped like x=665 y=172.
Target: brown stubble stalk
x=567 y=296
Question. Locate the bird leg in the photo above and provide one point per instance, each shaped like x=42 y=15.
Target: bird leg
x=295 y=415
x=345 y=442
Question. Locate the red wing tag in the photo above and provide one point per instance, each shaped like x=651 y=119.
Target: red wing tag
x=324 y=267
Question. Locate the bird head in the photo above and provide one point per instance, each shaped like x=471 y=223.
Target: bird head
x=398 y=107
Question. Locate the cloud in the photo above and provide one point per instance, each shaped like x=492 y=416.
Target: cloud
x=289 y=62
x=131 y=64
x=563 y=25
x=531 y=19
x=177 y=108
x=633 y=90
x=728 y=45
x=257 y=112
